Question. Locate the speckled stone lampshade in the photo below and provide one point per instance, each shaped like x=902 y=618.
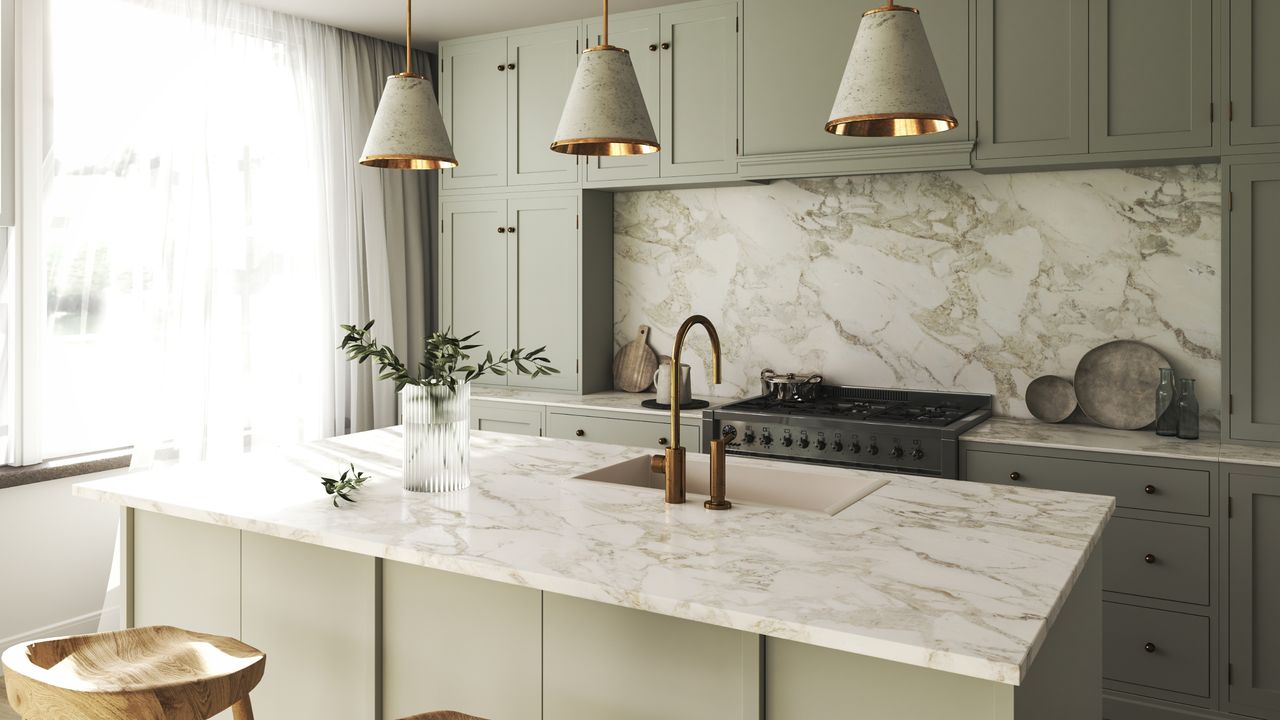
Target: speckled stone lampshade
x=891 y=85
x=408 y=131
x=605 y=113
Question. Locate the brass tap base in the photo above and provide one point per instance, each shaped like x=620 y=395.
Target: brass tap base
x=717 y=504
x=674 y=466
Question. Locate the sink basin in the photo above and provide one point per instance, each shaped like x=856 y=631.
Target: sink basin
x=800 y=487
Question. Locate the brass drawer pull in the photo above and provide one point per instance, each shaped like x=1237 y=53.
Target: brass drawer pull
x=502 y=68
x=511 y=66
x=653 y=48
x=502 y=231
x=1150 y=489
x=511 y=230
x=663 y=441
x=1149 y=647
x=666 y=46
x=1149 y=558
x=1015 y=476
x=579 y=432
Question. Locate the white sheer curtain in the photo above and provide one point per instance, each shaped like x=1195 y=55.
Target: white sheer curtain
x=207 y=227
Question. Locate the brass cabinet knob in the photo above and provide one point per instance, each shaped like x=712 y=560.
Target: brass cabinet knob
x=511 y=66
x=1149 y=558
x=1149 y=647
x=1150 y=489
x=579 y=432
x=501 y=67
x=666 y=46
x=663 y=441
x=1015 y=476
x=502 y=230
x=511 y=230
x=653 y=48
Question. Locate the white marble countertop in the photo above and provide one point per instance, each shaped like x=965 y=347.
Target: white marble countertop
x=1091 y=438
x=613 y=400
x=960 y=577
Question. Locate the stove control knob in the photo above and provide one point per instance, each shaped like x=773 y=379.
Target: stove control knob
x=749 y=437
x=854 y=447
x=896 y=451
x=873 y=449
x=837 y=446
x=787 y=441
x=766 y=439
x=917 y=452
x=804 y=440
x=729 y=433
x=822 y=444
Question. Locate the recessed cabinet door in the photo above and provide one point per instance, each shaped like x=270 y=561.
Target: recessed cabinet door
x=544 y=307
x=473 y=99
x=1150 y=75
x=1253 y=534
x=638 y=34
x=474 y=274
x=700 y=91
x=538 y=85
x=1033 y=78
x=1254 y=345
x=794 y=55
x=1255 y=72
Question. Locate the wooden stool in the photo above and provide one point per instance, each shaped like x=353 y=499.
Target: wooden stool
x=443 y=715
x=150 y=673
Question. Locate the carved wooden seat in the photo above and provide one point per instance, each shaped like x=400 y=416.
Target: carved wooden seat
x=443 y=715
x=150 y=673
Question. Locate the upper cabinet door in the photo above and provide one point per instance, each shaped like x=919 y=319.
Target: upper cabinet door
x=1255 y=72
x=699 y=48
x=475 y=255
x=537 y=86
x=1253 y=296
x=794 y=55
x=473 y=99
x=1033 y=78
x=1151 y=74
x=638 y=34
x=545 y=307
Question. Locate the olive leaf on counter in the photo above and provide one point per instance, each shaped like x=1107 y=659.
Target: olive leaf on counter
x=349 y=482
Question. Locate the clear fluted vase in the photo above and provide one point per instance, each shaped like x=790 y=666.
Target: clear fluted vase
x=437 y=437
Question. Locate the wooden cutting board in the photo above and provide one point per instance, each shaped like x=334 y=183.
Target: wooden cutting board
x=635 y=363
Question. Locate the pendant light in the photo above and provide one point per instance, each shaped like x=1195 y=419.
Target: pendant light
x=605 y=113
x=891 y=86
x=408 y=131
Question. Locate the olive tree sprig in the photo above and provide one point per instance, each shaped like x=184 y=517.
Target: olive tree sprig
x=444 y=362
x=342 y=487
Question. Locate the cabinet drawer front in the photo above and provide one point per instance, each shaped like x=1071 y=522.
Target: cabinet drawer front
x=1157 y=559
x=640 y=433
x=1178 y=659
x=1134 y=486
x=504 y=418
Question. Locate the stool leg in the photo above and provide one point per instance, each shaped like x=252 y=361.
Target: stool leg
x=242 y=710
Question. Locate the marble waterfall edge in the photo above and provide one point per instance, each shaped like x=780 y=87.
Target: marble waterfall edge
x=950 y=281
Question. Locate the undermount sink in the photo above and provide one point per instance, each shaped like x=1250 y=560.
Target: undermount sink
x=800 y=487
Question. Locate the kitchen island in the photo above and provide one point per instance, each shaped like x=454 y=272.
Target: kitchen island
x=536 y=594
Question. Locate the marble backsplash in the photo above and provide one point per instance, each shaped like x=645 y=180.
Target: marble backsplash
x=952 y=281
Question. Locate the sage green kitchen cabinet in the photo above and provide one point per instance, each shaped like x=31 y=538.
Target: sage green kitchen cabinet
x=1252 y=296
x=486 y=660
x=531 y=270
x=162 y=574
x=651 y=666
x=1150 y=75
x=510 y=418
x=699 y=70
x=473 y=101
x=501 y=97
x=620 y=429
x=1254 y=86
x=794 y=55
x=1253 y=539
x=641 y=35
x=1033 y=78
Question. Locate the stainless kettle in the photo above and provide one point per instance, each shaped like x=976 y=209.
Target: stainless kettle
x=790 y=387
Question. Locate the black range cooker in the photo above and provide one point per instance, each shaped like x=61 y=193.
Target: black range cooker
x=905 y=431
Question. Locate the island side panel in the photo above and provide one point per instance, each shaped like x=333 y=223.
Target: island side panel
x=459 y=643
x=602 y=661
x=314 y=612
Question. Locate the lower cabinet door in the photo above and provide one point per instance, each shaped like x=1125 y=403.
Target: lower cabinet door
x=1156 y=648
x=614 y=431
x=1253 y=611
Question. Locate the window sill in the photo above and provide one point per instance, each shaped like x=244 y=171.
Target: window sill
x=11 y=477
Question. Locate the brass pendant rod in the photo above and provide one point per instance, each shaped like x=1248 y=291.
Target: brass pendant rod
x=408 y=37
x=606 y=22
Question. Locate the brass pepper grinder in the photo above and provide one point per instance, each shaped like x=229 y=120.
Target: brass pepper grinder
x=671 y=464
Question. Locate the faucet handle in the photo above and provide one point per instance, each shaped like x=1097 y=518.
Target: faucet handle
x=658 y=464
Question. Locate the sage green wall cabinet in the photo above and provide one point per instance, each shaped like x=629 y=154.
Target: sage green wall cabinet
x=1252 y=296
x=671 y=668
x=794 y=55
x=501 y=98
x=1254 y=85
x=510 y=418
x=641 y=35
x=1150 y=75
x=1033 y=78
x=473 y=100
x=1253 y=610
x=457 y=642
x=529 y=270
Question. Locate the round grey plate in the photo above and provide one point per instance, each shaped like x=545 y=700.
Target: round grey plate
x=1051 y=399
x=1116 y=384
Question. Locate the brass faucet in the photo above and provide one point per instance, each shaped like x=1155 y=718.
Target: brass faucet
x=671 y=465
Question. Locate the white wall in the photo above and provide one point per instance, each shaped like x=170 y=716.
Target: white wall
x=56 y=559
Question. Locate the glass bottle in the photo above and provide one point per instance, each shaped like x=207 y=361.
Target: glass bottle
x=1166 y=405
x=1188 y=410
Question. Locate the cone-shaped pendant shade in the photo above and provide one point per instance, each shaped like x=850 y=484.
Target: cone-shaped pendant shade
x=408 y=131
x=891 y=85
x=605 y=113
